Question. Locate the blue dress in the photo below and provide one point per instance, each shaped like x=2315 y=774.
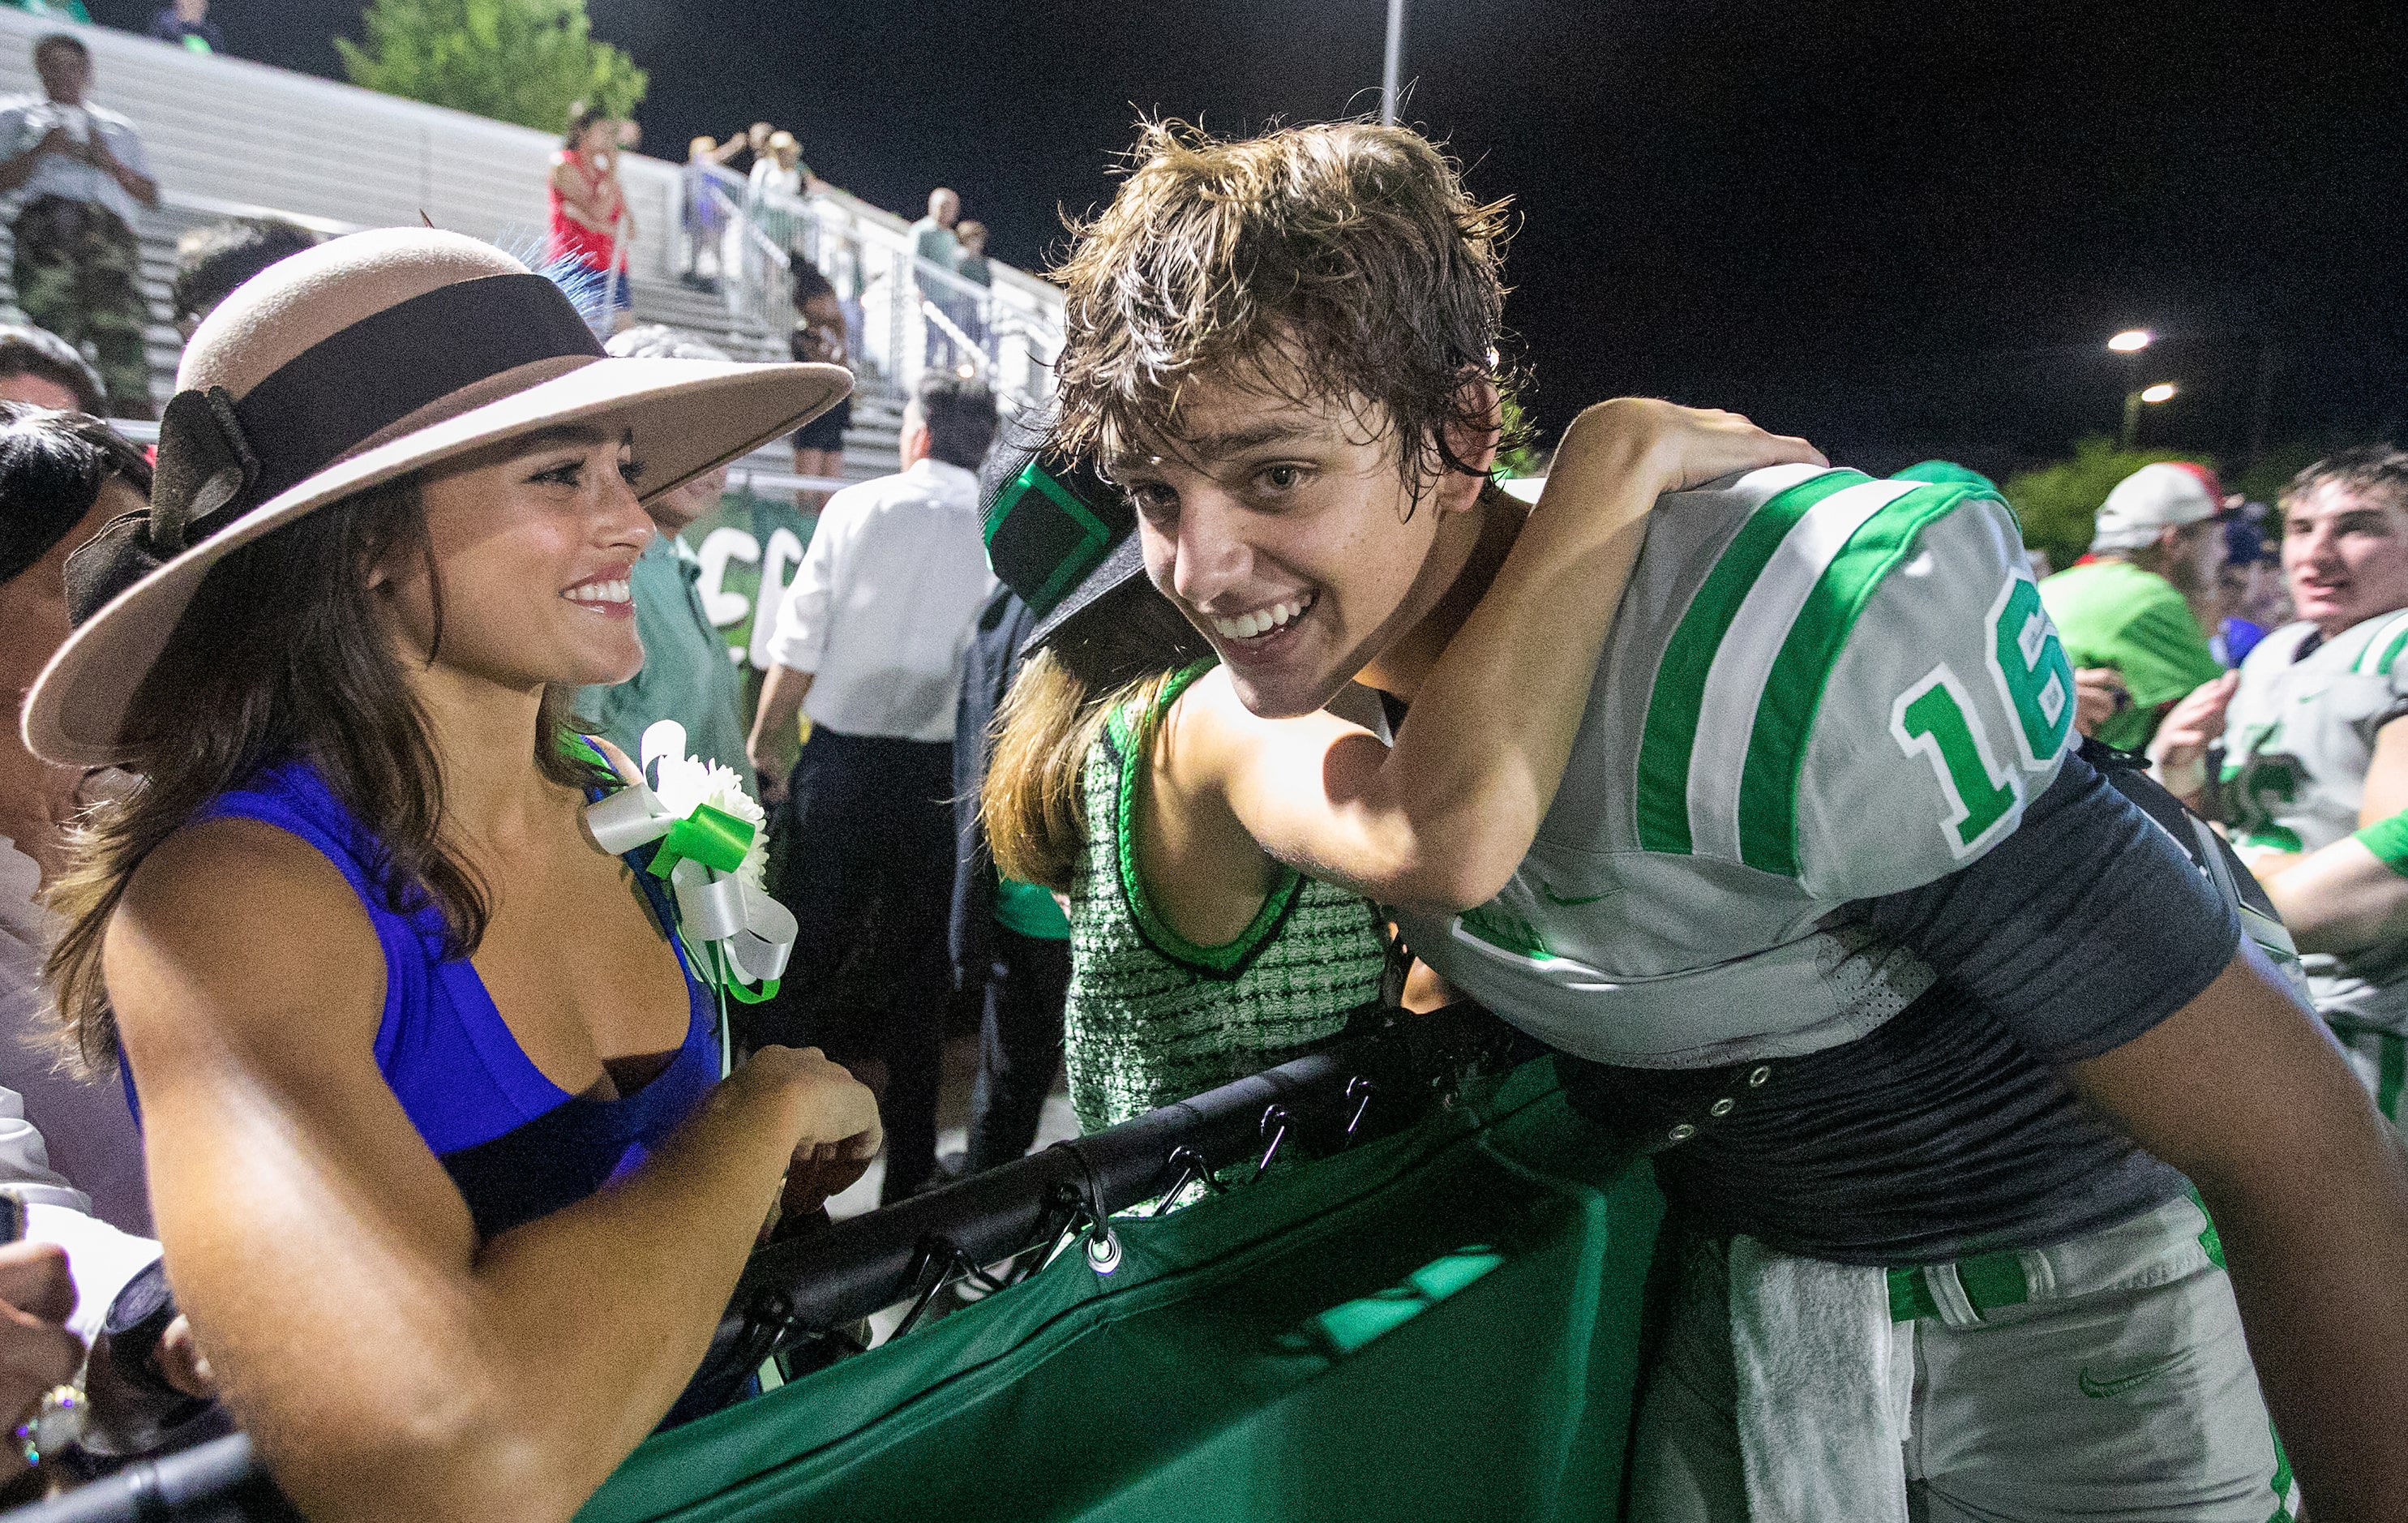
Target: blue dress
x=516 y=1145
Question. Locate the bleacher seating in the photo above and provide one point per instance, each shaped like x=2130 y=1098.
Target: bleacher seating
x=231 y=138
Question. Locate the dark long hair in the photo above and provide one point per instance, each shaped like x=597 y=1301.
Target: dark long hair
x=284 y=655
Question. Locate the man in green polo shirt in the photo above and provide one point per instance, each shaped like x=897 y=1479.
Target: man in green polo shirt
x=2137 y=604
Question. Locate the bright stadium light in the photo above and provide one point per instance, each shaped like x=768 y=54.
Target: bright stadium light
x=2163 y=392
x=2131 y=340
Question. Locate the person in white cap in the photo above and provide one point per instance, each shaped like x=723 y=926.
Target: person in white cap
x=394 y=1008
x=2139 y=603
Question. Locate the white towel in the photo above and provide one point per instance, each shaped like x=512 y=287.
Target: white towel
x=1823 y=1381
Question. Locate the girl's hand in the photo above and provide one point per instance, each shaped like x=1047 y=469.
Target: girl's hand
x=841 y=1131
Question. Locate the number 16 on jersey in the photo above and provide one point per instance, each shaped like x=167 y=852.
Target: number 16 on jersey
x=1938 y=719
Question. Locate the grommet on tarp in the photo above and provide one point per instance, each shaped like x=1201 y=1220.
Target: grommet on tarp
x=1103 y=1248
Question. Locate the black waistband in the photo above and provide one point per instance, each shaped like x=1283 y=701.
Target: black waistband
x=1936 y=1135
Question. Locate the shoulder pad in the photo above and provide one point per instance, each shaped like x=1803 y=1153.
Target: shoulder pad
x=1777 y=733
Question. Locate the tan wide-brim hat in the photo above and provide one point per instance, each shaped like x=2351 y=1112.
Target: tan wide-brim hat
x=357 y=361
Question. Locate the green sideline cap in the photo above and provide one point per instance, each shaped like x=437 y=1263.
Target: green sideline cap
x=1049 y=524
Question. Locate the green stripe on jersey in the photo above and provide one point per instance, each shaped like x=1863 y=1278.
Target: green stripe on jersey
x=1784 y=715
x=1673 y=708
x=2382 y=648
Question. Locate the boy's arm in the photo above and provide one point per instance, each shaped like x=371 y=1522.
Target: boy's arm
x=2352 y=894
x=2089 y=933
x=1443 y=816
x=2242 y=1091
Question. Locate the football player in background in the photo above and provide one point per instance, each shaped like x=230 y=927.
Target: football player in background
x=1919 y=1017
x=2315 y=762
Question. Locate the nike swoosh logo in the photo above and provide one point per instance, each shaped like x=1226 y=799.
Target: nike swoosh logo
x=1554 y=897
x=2101 y=1390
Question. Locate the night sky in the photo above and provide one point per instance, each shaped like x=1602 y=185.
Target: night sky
x=1900 y=229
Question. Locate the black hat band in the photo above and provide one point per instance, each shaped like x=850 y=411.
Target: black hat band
x=219 y=457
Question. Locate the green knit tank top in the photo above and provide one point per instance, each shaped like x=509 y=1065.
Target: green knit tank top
x=1152 y=1017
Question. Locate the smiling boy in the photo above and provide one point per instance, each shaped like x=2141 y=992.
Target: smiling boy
x=1919 y=1017
x=2316 y=756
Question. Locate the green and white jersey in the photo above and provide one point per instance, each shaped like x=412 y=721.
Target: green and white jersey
x=2298 y=737
x=1820 y=688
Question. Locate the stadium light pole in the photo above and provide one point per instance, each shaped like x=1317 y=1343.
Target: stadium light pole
x=1395 y=57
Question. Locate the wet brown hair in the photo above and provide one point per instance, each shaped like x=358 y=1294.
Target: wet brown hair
x=285 y=656
x=1330 y=262
x=2378 y=472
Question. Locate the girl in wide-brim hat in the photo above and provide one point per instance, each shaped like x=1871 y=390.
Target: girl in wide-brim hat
x=394 y=1016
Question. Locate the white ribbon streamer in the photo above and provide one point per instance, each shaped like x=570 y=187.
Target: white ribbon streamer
x=730 y=911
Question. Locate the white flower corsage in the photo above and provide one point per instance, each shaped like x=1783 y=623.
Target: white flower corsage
x=714 y=851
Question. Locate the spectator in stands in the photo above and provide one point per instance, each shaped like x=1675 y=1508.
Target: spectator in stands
x=41 y=368
x=211 y=261
x=755 y=140
x=969 y=307
x=819 y=339
x=704 y=221
x=85 y=179
x=2141 y=601
x=778 y=181
x=187 y=24
x=868 y=642
x=592 y=228
x=686 y=675
x=936 y=255
x=69 y=1153
x=61 y=476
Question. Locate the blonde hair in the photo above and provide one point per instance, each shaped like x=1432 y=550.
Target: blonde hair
x=1034 y=804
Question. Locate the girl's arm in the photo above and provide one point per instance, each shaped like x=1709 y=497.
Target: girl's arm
x=389 y=1364
x=1443 y=816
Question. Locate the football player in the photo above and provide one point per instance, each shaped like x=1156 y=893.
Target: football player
x=1930 y=1031
x=2315 y=763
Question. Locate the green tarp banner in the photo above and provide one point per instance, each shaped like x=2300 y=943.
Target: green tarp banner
x=1443 y=1324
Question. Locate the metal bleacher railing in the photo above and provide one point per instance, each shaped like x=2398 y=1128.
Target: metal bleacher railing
x=900 y=311
x=230 y=137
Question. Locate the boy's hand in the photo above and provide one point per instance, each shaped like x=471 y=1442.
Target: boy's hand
x=2098 y=695
x=2178 y=752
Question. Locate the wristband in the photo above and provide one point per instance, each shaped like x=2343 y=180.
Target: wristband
x=2389 y=840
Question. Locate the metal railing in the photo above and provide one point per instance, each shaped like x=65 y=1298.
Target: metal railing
x=795 y=1297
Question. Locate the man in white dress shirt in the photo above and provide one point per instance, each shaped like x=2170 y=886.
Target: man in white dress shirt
x=868 y=644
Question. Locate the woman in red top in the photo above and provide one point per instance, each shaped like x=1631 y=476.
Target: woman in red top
x=590 y=225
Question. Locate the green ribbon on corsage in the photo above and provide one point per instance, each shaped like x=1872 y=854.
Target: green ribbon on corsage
x=741 y=938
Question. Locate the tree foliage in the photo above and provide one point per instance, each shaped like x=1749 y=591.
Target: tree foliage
x=522 y=61
x=2058 y=504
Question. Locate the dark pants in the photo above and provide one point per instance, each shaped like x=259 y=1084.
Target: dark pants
x=865 y=862
x=78 y=273
x=1019 y=1046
